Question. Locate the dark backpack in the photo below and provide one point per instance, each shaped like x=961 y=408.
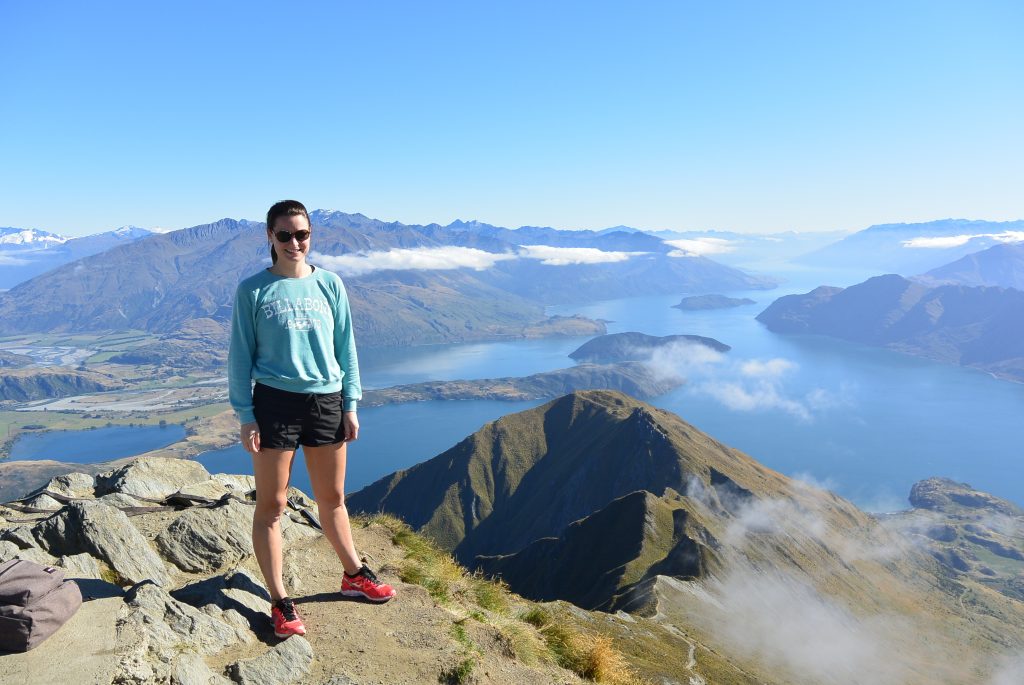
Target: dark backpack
x=34 y=602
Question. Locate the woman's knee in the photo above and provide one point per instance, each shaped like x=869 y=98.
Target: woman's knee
x=332 y=499
x=269 y=510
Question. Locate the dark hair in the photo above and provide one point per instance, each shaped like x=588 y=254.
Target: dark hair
x=284 y=208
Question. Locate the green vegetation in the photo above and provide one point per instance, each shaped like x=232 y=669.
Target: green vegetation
x=531 y=634
x=459 y=673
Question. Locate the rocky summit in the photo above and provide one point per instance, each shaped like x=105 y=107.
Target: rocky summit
x=162 y=552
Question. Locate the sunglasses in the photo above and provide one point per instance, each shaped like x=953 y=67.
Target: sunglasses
x=286 y=236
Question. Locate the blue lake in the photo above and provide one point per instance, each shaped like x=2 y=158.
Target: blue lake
x=98 y=444
x=866 y=422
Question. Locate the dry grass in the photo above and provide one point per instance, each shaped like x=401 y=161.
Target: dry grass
x=532 y=637
x=591 y=656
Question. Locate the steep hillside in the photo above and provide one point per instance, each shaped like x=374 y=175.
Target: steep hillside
x=606 y=501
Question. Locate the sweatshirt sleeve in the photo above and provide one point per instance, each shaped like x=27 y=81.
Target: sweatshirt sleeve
x=345 y=349
x=241 y=353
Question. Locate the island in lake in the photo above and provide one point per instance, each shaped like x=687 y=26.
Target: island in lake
x=633 y=346
x=702 y=302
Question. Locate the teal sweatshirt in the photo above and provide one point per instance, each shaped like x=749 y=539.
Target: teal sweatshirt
x=292 y=334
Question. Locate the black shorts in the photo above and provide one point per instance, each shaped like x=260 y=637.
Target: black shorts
x=289 y=419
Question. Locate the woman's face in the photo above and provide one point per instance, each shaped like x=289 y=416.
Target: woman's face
x=292 y=250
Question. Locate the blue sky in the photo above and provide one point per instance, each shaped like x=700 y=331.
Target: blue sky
x=748 y=116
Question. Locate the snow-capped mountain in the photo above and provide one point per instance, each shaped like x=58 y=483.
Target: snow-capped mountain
x=28 y=252
x=32 y=237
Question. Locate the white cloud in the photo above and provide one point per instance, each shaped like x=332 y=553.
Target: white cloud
x=453 y=257
x=772 y=368
x=760 y=395
x=561 y=256
x=698 y=247
x=763 y=613
x=947 y=241
x=431 y=258
x=745 y=384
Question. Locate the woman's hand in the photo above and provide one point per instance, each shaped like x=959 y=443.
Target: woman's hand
x=249 y=434
x=351 y=426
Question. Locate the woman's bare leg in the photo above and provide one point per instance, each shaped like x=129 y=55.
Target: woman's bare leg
x=272 y=469
x=326 y=466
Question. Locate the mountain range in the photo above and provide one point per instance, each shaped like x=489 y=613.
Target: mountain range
x=26 y=252
x=162 y=281
x=981 y=327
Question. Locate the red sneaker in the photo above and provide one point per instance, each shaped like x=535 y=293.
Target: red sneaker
x=365 y=584
x=287 y=621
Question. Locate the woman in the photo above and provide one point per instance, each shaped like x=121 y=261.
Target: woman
x=291 y=332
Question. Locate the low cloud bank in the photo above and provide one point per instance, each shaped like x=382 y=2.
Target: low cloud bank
x=561 y=256
x=454 y=257
x=427 y=258
x=947 y=241
x=698 y=247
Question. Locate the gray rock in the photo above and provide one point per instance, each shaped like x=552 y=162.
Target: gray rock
x=237 y=597
x=72 y=485
x=43 y=502
x=171 y=623
x=80 y=566
x=121 y=500
x=106 y=533
x=239 y=485
x=155 y=629
x=206 y=539
x=36 y=555
x=8 y=550
x=294 y=528
x=300 y=498
x=339 y=679
x=152 y=477
x=21 y=536
x=210 y=488
x=287 y=662
x=190 y=669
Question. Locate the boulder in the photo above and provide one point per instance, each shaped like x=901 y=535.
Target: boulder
x=238 y=484
x=287 y=662
x=211 y=488
x=156 y=628
x=21 y=536
x=8 y=550
x=37 y=556
x=206 y=539
x=236 y=597
x=72 y=485
x=106 y=533
x=80 y=566
x=151 y=477
x=43 y=501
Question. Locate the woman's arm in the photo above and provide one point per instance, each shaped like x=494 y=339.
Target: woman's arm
x=345 y=350
x=241 y=352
